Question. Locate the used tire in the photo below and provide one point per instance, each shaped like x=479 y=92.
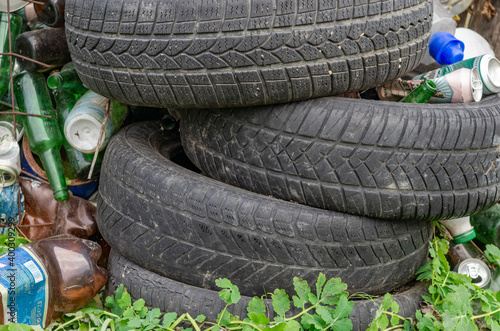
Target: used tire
x=364 y=157
x=171 y=296
x=194 y=229
x=190 y=53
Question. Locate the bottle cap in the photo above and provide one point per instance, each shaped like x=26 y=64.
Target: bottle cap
x=465 y=237
x=82 y=132
x=445 y=48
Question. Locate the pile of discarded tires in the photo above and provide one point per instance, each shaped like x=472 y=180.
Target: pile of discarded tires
x=272 y=189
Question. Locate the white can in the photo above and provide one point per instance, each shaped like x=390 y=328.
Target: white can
x=10 y=161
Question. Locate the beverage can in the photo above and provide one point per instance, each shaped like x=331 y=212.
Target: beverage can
x=477 y=270
x=10 y=161
x=460 y=86
x=487 y=66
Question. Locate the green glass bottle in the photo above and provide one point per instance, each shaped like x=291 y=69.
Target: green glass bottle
x=44 y=137
x=487 y=225
x=422 y=93
x=80 y=163
x=16 y=22
x=67 y=79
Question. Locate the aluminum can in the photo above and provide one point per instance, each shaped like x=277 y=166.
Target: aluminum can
x=10 y=161
x=477 y=270
x=487 y=66
x=459 y=86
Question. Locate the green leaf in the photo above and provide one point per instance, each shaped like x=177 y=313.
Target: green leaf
x=299 y=303
x=395 y=307
x=492 y=254
x=332 y=289
x=135 y=323
x=309 y=321
x=292 y=325
x=224 y=318
x=302 y=288
x=230 y=293
x=458 y=310
x=344 y=308
x=277 y=327
x=139 y=304
x=19 y=327
x=319 y=284
x=256 y=306
x=281 y=302
x=344 y=324
x=200 y=318
x=324 y=314
x=313 y=298
x=125 y=301
x=260 y=319
x=168 y=319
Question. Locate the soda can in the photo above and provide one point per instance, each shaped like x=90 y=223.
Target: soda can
x=460 y=86
x=477 y=270
x=11 y=198
x=486 y=65
x=10 y=161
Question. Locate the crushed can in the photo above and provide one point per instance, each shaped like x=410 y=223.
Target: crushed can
x=11 y=198
x=477 y=270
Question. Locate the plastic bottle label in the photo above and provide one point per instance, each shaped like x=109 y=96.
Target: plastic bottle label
x=24 y=288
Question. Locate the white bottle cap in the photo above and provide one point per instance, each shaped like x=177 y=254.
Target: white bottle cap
x=82 y=132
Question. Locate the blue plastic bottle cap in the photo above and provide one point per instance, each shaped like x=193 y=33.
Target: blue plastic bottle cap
x=445 y=48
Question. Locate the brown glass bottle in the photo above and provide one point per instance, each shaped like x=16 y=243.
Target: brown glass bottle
x=51 y=12
x=45 y=45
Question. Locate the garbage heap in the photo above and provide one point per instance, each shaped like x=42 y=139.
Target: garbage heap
x=252 y=149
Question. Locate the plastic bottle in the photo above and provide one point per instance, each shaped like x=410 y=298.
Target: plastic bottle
x=442 y=21
x=11 y=199
x=83 y=125
x=456 y=7
x=67 y=79
x=45 y=45
x=80 y=163
x=487 y=225
x=51 y=12
x=43 y=134
x=475 y=44
x=50 y=277
x=14 y=5
x=422 y=93
x=461 y=229
x=16 y=23
x=487 y=66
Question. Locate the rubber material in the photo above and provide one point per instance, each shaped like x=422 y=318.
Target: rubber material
x=171 y=296
x=204 y=53
x=169 y=219
x=373 y=158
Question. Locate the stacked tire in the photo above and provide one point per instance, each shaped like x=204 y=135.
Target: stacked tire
x=260 y=187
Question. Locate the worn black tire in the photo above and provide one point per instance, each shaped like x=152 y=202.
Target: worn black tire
x=190 y=53
x=172 y=296
x=372 y=158
x=194 y=229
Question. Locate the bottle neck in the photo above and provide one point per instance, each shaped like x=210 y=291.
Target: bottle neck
x=52 y=163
